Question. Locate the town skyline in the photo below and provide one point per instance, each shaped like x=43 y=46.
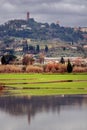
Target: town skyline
x=66 y=12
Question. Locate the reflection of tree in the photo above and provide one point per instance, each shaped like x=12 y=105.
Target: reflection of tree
x=29 y=114
x=31 y=106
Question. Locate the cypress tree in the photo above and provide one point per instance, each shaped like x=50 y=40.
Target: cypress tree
x=37 y=48
x=46 y=49
x=69 y=67
x=62 y=61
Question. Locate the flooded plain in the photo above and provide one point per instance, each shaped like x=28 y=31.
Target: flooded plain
x=43 y=113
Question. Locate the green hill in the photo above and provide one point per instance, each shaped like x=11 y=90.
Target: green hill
x=39 y=31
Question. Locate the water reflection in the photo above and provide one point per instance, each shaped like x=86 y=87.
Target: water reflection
x=50 y=111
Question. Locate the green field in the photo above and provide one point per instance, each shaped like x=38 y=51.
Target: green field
x=43 y=84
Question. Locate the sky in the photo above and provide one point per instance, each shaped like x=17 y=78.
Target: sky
x=66 y=12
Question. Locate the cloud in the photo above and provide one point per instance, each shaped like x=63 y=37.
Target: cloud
x=8 y=7
x=68 y=12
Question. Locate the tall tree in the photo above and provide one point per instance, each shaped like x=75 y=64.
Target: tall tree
x=41 y=58
x=25 y=46
x=62 y=60
x=69 y=67
x=46 y=48
x=37 y=49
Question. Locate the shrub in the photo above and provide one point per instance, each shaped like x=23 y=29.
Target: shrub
x=9 y=68
x=55 y=67
x=49 y=67
x=62 y=68
x=6 y=59
x=34 y=69
x=79 y=69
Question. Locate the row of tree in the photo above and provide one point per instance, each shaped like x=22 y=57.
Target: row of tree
x=28 y=59
x=32 y=49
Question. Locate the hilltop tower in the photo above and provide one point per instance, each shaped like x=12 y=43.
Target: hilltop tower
x=28 y=16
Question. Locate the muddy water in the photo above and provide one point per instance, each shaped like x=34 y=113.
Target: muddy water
x=43 y=113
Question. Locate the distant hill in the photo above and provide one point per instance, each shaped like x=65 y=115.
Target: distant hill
x=42 y=31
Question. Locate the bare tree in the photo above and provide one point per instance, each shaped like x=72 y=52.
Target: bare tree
x=28 y=59
x=41 y=58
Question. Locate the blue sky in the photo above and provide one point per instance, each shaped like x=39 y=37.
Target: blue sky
x=67 y=12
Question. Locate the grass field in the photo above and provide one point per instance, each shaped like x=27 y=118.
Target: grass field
x=43 y=84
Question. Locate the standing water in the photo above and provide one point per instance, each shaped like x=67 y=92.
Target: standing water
x=43 y=113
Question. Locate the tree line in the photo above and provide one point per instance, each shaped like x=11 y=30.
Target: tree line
x=28 y=59
x=41 y=31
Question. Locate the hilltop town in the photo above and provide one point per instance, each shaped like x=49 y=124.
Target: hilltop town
x=20 y=37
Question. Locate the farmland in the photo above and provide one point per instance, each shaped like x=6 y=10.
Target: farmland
x=43 y=84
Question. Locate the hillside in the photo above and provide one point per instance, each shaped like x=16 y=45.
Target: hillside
x=39 y=31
